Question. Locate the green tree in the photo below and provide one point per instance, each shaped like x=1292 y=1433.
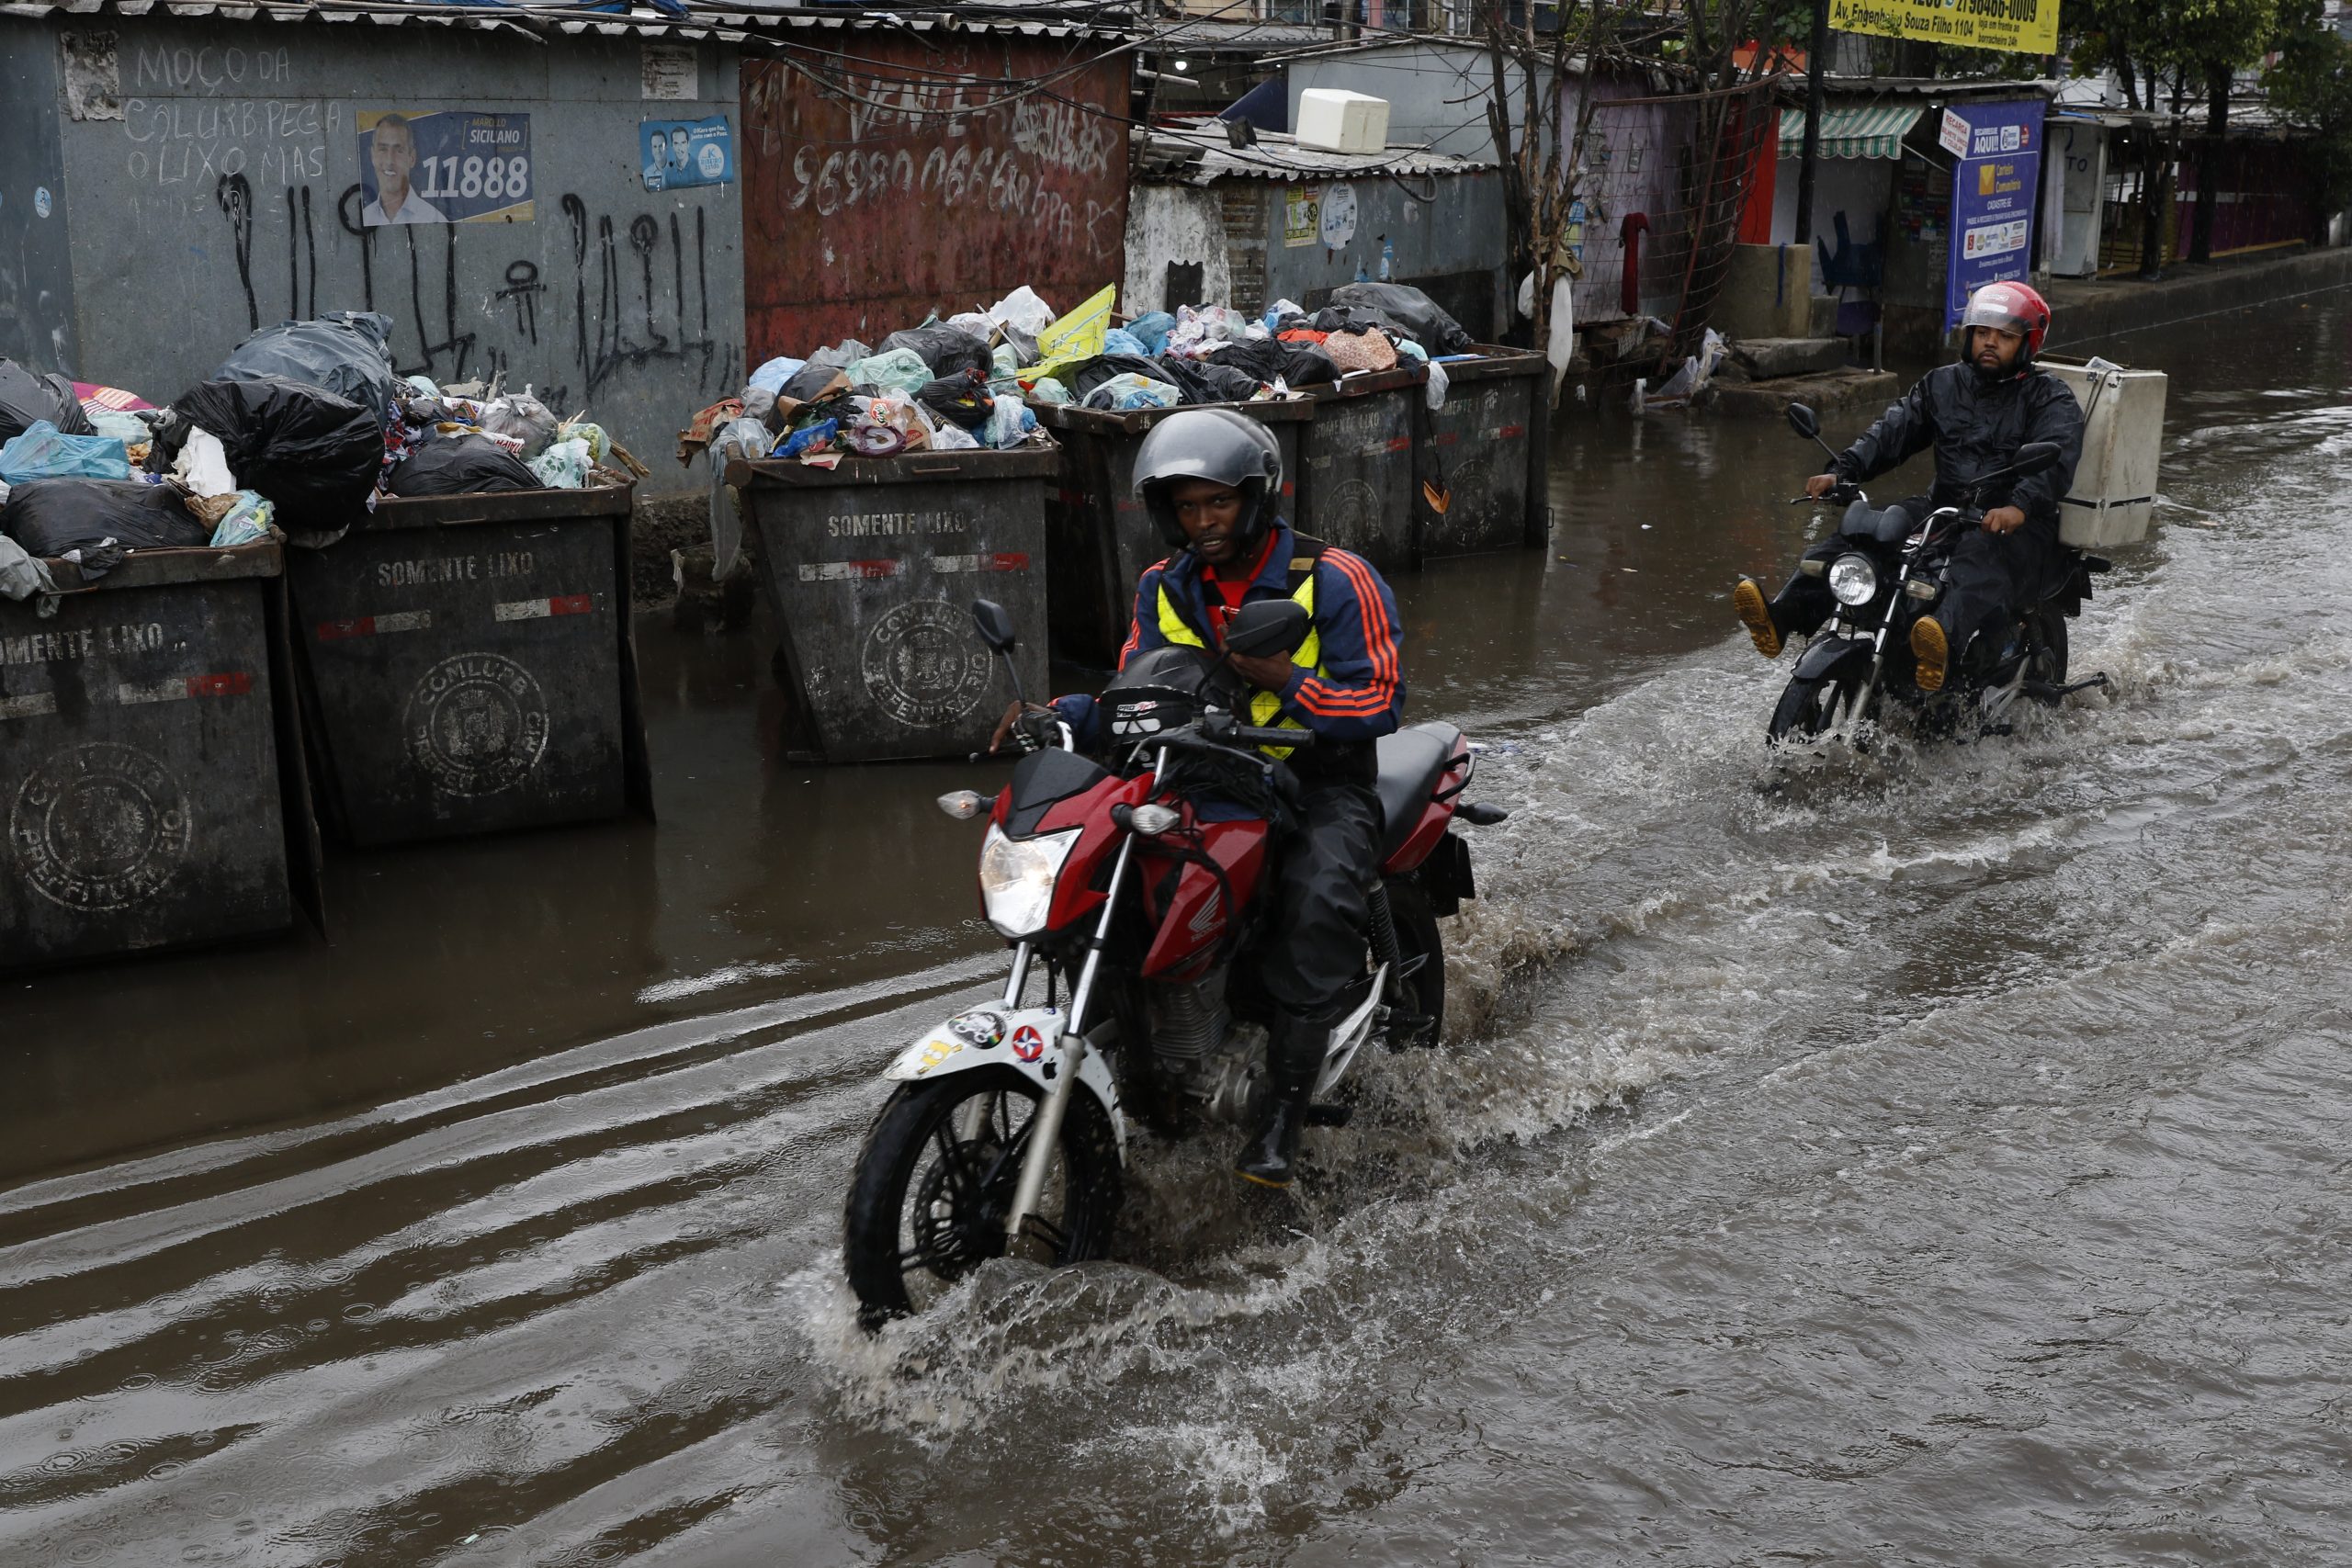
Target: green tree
x=2310 y=84
x=2209 y=41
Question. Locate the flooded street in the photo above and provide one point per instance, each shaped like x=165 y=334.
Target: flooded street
x=1934 y=1158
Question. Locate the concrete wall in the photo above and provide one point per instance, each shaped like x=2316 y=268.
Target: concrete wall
x=36 y=277
x=213 y=186
x=1446 y=233
x=1174 y=224
x=1861 y=188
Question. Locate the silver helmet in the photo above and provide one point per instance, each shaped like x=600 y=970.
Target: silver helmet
x=1213 y=444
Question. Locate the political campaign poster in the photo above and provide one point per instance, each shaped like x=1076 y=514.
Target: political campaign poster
x=443 y=167
x=2017 y=27
x=679 y=153
x=1995 y=189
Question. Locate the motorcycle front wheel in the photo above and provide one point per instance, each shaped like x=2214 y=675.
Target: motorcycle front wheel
x=936 y=1178
x=1809 y=708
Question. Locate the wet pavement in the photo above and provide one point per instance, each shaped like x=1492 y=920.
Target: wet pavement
x=1931 y=1158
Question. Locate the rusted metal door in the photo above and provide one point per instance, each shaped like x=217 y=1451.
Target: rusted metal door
x=913 y=175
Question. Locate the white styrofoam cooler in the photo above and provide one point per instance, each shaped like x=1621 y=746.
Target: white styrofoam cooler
x=2114 y=495
x=1341 y=121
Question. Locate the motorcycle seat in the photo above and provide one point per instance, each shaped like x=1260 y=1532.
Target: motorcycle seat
x=1411 y=762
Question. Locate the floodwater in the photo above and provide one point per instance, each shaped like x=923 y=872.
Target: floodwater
x=1937 y=1157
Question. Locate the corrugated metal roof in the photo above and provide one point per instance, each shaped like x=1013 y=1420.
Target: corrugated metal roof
x=1187 y=156
x=1852 y=131
x=733 y=23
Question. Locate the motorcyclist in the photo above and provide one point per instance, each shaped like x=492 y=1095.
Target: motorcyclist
x=1211 y=480
x=1976 y=413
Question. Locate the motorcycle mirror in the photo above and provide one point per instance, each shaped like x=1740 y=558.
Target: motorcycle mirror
x=1269 y=627
x=996 y=626
x=1801 y=420
x=2033 y=458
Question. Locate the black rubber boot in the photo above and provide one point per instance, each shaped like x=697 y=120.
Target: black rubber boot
x=1294 y=1056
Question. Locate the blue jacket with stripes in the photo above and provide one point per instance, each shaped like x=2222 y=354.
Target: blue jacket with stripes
x=1357 y=690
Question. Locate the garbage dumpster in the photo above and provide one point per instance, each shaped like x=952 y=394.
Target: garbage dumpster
x=872 y=567
x=1101 y=539
x=1485 y=447
x=468 y=668
x=1356 y=470
x=151 y=777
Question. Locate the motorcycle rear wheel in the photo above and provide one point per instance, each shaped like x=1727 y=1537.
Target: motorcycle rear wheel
x=1813 y=707
x=927 y=1205
x=2049 y=661
x=1417 y=936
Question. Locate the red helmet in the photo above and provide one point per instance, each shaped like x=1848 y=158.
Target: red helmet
x=2008 y=308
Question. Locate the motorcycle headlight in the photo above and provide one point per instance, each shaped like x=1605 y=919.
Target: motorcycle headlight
x=1017 y=878
x=1853 y=578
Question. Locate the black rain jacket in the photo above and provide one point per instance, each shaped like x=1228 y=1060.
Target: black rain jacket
x=1975 y=427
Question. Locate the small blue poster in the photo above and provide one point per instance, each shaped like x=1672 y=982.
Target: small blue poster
x=678 y=152
x=1994 y=192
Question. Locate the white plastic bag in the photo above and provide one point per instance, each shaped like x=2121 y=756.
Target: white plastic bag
x=563 y=466
x=202 y=466
x=1022 y=311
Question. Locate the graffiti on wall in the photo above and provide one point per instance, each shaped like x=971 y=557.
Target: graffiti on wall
x=843 y=162
x=588 y=295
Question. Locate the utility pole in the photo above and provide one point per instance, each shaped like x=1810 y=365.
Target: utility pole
x=1812 y=155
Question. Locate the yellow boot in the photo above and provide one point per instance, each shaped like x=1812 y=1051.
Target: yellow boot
x=1930 y=647
x=1748 y=599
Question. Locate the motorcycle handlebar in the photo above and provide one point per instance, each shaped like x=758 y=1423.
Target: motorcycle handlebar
x=1249 y=735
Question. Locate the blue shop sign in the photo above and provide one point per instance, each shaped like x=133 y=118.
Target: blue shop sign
x=1995 y=189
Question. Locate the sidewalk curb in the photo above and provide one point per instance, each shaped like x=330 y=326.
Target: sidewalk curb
x=2085 y=313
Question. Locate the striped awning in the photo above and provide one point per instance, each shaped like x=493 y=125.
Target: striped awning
x=1869 y=130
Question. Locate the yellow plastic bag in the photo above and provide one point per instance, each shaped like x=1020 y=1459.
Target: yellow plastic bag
x=1079 y=336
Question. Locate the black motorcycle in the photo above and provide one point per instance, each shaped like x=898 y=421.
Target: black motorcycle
x=1895 y=570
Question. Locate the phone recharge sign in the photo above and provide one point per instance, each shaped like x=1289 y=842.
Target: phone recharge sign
x=1995 y=189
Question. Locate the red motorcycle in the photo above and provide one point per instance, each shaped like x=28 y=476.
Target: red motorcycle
x=1131 y=888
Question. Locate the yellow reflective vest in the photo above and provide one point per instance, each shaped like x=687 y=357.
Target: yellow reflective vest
x=1265 y=707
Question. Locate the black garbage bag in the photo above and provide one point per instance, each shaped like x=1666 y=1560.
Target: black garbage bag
x=1294 y=364
x=343 y=351
x=1196 y=381
x=25 y=398
x=963 y=398
x=811 y=383
x=944 y=348
x=461 y=465
x=314 y=455
x=1421 y=318
x=50 y=517
x=1355 y=319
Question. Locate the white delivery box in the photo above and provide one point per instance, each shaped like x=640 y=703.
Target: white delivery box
x=1339 y=121
x=2113 y=497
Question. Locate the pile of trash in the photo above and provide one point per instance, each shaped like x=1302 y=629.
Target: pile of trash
x=942 y=387
x=302 y=427
x=968 y=380
x=468 y=439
